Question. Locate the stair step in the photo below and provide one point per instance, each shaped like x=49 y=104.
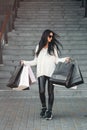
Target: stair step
x=54 y=21
x=27 y=38
x=26 y=23
x=55 y=29
x=34 y=34
x=42 y=26
x=6 y=68
x=19 y=47
x=4 y=74
x=16 y=58
x=4 y=81
x=66 y=18
x=19 y=52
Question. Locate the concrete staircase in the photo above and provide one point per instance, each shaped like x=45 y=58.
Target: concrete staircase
x=66 y=18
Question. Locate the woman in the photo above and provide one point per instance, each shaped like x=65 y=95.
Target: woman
x=46 y=57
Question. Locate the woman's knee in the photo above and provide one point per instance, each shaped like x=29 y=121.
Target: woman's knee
x=50 y=88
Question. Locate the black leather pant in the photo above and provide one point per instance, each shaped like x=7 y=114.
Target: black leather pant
x=42 y=85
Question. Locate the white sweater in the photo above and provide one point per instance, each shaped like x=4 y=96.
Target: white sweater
x=45 y=63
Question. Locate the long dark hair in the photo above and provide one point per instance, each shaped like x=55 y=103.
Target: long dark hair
x=53 y=43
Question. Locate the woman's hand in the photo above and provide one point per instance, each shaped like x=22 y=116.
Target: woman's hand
x=22 y=62
x=68 y=59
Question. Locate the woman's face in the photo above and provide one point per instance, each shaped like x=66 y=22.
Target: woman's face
x=49 y=39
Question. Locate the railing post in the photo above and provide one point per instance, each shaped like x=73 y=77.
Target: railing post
x=10 y=24
x=85 y=8
x=12 y=20
x=6 y=36
x=18 y=3
x=15 y=8
x=82 y=3
x=1 y=61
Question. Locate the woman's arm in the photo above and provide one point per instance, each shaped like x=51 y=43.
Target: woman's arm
x=57 y=59
x=32 y=62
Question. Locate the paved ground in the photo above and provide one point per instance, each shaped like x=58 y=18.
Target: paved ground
x=20 y=111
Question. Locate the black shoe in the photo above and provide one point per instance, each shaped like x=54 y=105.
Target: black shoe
x=48 y=115
x=43 y=111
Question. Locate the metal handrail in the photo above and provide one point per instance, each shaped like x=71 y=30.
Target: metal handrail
x=3 y=31
x=5 y=23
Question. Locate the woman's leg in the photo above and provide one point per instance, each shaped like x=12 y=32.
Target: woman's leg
x=50 y=95
x=42 y=84
x=48 y=114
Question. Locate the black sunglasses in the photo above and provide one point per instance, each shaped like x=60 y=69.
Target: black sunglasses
x=50 y=36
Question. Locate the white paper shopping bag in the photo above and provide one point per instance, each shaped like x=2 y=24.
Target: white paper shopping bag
x=24 y=78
